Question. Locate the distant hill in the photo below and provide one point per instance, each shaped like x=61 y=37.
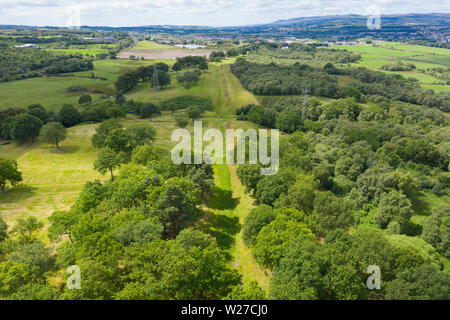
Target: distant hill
x=354 y=19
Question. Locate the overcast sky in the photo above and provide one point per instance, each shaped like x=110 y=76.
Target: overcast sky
x=194 y=12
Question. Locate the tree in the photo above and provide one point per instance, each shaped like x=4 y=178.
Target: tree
x=301 y=194
x=423 y=283
x=85 y=99
x=177 y=204
x=394 y=206
x=53 y=132
x=288 y=121
x=141 y=134
x=163 y=78
x=270 y=188
x=143 y=154
x=14 y=275
x=69 y=116
x=25 y=227
x=114 y=112
x=276 y=236
x=35 y=255
x=436 y=230
x=256 y=115
x=181 y=119
x=189 y=238
x=203 y=65
x=177 y=66
x=99 y=138
x=120 y=99
x=313 y=271
x=119 y=140
x=9 y=173
x=3 y=229
x=331 y=212
x=194 y=113
x=139 y=232
x=108 y=160
x=146 y=110
x=250 y=175
x=250 y=292
x=24 y=127
x=38 y=111
x=258 y=218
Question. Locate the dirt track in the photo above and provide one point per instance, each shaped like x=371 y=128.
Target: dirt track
x=163 y=54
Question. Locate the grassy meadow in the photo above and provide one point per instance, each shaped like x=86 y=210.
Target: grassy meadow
x=52 y=93
x=374 y=56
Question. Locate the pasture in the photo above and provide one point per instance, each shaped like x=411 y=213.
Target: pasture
x=51 y=92
x=426 y=59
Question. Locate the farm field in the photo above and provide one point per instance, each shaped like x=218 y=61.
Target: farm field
x=162 y=54
x=51 y=91
x=374 y=56
x=154 y=51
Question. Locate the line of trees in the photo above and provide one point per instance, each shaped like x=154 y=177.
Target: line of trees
x=190 y=62
x=17 y=64
x=130 y=79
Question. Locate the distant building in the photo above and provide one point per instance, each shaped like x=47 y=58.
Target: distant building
x=28 y=45
x=285 y=46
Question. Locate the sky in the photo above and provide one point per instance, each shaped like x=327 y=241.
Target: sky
x=195 y=12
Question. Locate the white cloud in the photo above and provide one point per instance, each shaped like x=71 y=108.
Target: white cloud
x=195 y=12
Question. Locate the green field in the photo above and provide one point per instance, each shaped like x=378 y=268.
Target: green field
x=51 y=91
x=374 y=56
x=89 y=49
x=217 y=83
x=151 y=45
x=48 y=91
x=52 y=179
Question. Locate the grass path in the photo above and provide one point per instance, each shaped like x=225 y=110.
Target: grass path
x=225 y=214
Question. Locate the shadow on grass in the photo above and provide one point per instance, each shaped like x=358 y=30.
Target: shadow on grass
x=19 y=192
x=420 y=206
x=65 y=149
x=222 y=227
x=414 y=229
x=222 y=199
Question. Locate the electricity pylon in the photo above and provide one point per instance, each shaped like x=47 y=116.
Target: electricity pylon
x=156 y=90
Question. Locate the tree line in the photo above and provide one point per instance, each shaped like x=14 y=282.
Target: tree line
x=17 y=64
